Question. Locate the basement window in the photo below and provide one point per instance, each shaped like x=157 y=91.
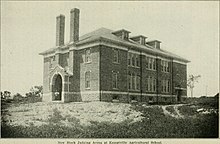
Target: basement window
x=150 y=99
x=115 y=98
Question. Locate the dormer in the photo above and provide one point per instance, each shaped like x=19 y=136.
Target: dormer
x=123 y=34
x=139 y=39
x=154 y=43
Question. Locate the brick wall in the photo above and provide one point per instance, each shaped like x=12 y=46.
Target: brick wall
x=92 y=66
x=102 y=66
x=107 y=66
x=179 y=77
x=46 y=81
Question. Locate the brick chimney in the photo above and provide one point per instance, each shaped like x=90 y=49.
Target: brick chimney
x=154 y=43
x=60 y=29
x=74 y=25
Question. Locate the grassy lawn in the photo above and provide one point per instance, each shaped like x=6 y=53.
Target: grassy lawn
x=153 y=124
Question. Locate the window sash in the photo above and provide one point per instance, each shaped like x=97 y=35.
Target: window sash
x=115 y=80
x=87 y=79
x=138 y=82
x=116 y=55
x=129 y=59
x=87 y=55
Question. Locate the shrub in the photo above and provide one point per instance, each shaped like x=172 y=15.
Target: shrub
x=187 y=110
x=56 y=117
x=171 y=110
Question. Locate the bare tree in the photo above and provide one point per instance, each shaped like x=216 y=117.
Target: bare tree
x=191 y=82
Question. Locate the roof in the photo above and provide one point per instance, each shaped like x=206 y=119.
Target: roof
x=138 y=36
x=122 y=30
x=153 y=41
x=107 y=34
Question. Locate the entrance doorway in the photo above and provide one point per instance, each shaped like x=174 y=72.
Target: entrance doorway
x=57 y=87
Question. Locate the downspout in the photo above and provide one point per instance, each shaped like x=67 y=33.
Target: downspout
x=157 y=71
x=68 y=85
x=141 y=76
x=100 y=91
x=171 y=82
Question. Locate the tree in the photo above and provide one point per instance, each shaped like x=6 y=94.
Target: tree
x=35 y=91
x=18 y=97
x=191 y=82
x=6 y=95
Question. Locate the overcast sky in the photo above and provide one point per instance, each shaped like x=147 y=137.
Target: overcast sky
x=189 y=29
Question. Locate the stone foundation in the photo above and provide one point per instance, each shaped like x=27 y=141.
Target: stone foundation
x=122 y=97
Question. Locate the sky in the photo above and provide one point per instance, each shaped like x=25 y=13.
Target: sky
x=188 y=29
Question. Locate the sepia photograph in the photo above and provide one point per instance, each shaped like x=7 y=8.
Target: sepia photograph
x=107 y=69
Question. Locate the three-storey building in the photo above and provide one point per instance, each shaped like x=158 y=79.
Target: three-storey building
x=107 y=65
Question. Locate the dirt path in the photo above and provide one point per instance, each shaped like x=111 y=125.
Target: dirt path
x=175 y=114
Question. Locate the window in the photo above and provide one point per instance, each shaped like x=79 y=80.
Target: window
x=151 y=84
x=114 y=80
x=129 y=80
x=115 y=55
x=87 y=79
x=154 y=85
x=151 y=98
x=87 y=56
x=137 y=60
x=133 y=81
x=168 y=86
x=51 y=60
x=134 y=60
x=150 y=63
x=133 y=98
x=115 y=97
x=165 y=66
x=129 y=59
x=54 y=58
x=138 y=82
x=154 y=64
x=165 y=86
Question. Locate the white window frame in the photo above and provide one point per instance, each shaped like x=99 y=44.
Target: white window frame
x=151 y=63
x=165 y=66
x=151 y=84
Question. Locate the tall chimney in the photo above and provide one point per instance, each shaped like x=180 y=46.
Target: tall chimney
x=60 y=29
x=74 y=25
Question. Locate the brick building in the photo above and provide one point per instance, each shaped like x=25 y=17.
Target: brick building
x=106 y=65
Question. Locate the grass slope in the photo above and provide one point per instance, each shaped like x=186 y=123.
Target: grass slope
x=153 y=124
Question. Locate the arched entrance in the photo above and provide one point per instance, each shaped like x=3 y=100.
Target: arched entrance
x=57 y=87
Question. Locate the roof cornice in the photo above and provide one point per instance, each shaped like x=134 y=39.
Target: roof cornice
x=101 y=41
